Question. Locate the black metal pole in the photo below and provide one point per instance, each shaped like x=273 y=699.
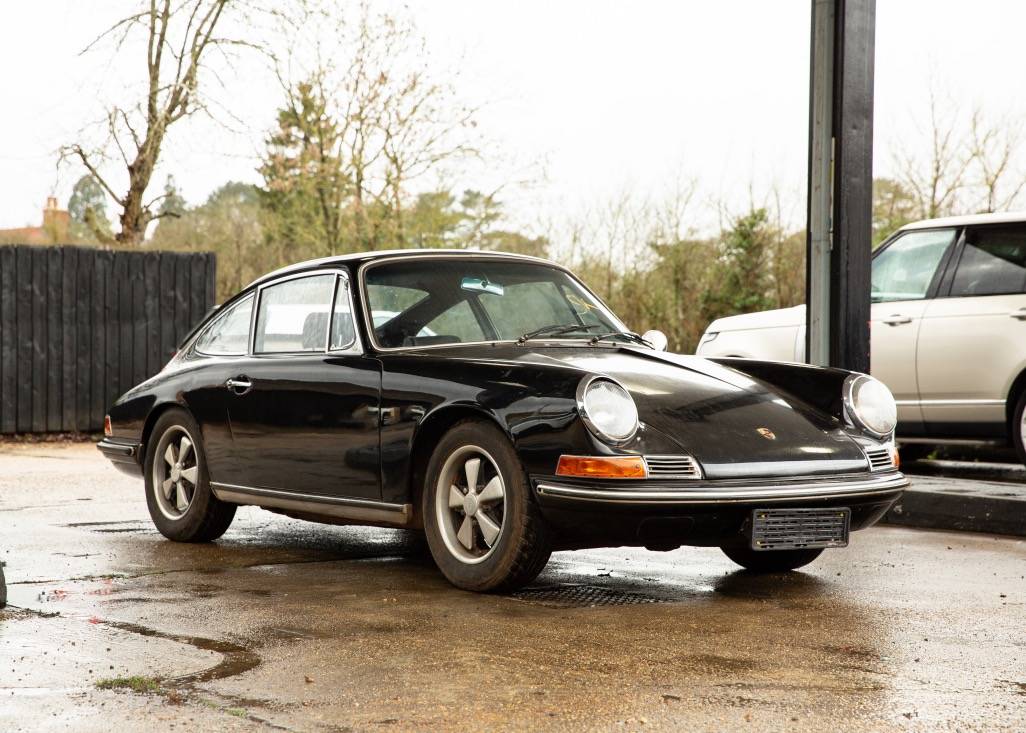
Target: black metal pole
x=854 y=49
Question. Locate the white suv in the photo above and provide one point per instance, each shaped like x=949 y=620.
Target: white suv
x=948 y=326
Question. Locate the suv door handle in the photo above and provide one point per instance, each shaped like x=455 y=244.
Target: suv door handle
x=896 y=319
x=239 y=385
x=1019 y=314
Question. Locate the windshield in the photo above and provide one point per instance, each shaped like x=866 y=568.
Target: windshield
x=424 y=302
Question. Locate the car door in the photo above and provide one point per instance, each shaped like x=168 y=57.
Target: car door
x=303 y=407
x=215 y=357
x=905 y=273
x=973 y=340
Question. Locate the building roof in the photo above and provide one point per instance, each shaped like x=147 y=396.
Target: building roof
x=1003 y=217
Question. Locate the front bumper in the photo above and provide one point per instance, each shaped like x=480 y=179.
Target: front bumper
x=701 y=513
x=126 y=455
x=716 y=492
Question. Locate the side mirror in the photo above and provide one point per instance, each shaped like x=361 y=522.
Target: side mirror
x=656 y=338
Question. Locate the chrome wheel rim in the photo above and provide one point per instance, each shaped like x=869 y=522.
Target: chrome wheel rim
x=470 y=504
x=175 y=472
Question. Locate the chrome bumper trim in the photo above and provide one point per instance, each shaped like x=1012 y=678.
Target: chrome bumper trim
x=114 y=449
x=712 y=494
x=366 y=510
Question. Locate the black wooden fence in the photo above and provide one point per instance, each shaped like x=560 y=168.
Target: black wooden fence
x=79 y=326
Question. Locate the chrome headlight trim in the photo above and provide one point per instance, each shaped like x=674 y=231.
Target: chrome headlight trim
x=582 y=410
x=851 y=383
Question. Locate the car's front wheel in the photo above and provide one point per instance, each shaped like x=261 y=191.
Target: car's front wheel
x=483 y=527
x=770 y=561
x=178 y=494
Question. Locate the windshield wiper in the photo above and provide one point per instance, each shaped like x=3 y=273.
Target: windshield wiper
x=629 y=335
x=556 y=330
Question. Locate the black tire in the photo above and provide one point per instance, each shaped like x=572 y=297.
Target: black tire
x=914 y=451
x=770 y=561
x=1018 y=432
x=206 y=517
x=522 y=546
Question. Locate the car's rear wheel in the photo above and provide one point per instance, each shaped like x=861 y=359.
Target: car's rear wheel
x=1019 y=428
x=770 y=561
x=482 y=524
x=178 y=494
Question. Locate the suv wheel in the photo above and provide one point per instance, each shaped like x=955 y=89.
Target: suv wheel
x=178 y=494
x=483 y=527
x=1019 y=428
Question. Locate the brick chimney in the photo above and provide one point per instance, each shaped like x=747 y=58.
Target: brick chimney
x=55 y=221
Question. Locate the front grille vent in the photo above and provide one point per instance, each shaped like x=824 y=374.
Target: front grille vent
x=879 y=458
x=674 y=467
x=799 y=529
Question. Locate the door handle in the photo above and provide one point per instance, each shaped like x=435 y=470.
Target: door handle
x=896 y=319
x=1019 y=314
x=239 y=385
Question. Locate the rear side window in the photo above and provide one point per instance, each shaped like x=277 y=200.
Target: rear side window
x=993 y=262
x=293 y=315
x=228 y=333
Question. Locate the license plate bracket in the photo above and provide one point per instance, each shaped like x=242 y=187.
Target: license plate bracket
x=799 y=529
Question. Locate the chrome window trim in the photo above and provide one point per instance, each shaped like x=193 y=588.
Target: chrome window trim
x=355 y=346
x=711 y=494
x=215 y=317
x=498 y=256
x=339 y=274
x=582 y=391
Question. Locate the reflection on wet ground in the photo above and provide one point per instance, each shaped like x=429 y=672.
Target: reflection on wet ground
x=308 y=627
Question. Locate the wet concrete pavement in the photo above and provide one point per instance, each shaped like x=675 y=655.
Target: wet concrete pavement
x=291 y=625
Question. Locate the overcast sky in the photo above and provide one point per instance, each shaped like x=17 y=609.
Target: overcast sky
x=583 y=99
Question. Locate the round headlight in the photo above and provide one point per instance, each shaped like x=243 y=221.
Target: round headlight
x=870 y=405
x=607 y=409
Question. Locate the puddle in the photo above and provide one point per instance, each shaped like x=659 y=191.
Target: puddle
x=236 y=659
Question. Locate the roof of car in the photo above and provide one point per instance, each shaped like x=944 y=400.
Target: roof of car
x=1004 y=217
x=359 y=258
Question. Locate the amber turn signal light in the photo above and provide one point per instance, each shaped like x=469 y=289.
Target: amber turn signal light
x=602 y=467
x=106 y=426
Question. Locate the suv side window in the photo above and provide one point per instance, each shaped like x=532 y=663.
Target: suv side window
x=993 y=262
x=228 y=333
x=904 y=269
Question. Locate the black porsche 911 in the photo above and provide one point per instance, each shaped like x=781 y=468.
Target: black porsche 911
x=496 y=403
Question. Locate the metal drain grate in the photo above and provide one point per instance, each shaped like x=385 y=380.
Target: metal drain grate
x=581 y=596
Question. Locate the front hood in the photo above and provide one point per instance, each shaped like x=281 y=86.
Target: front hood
x=734 y=425
x=779 y=318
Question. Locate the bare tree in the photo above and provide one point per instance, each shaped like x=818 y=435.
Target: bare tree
x=180 y=37
x=994 y=150
x=937 y=182
x=391 y=120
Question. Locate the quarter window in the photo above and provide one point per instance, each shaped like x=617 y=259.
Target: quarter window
x=904 y=269
x=228 y=333
x=993 y=262
x=343 y=331
x=293 y=315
